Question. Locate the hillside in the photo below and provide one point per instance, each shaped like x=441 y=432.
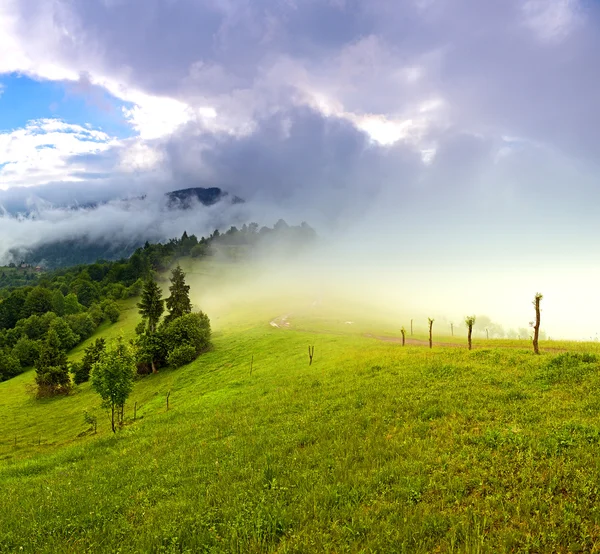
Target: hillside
x=372 y=448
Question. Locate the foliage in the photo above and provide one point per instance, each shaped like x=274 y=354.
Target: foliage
x=111 y=310
x=72 y=305
x=52 y=372
x=182 y=355
x=68 y=339
x=151 y=306
x=81 y=371
x=9 y=366
x=58 y=303
x=27 y=351
x=81 y=324
x=191 y=329
x=178 y=303
x=39 y=301
x=112 y=378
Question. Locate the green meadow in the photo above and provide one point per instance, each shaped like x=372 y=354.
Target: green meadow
x=374 y=447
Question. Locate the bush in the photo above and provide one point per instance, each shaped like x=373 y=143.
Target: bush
x=182 y=355
x=150 y=347
x=97 y=314
x=111 y=310
x=190 y=329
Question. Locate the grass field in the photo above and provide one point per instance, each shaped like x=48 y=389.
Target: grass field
x=372 y=448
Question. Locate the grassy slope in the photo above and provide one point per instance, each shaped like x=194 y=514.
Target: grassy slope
x=372 y=448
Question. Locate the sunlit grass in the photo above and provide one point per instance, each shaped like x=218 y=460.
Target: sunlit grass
x=372 y=448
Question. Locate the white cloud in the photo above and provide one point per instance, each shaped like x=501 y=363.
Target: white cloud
x=551 y=19
x=41 y=152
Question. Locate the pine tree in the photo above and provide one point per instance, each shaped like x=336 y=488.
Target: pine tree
x=178 y=303
x=151 y=306
x=52 y=370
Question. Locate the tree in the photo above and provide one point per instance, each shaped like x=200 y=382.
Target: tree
x=111 y=310
x=72 y=305
x=39 y=301
x=81 y=372
x=151 y=306
x=9 y=366
x=190 y=329
x=112 y=378
x=178 y=303
x=68 y=339
x=536 y=326
x=52 y=371
x=27 y=351
x=469 y=322
x=58 y=303
x=431 y=320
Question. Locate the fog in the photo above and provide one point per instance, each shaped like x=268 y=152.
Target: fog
x=445 y=152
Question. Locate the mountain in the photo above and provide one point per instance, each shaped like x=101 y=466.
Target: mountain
x=116 y=242
x=185 y=198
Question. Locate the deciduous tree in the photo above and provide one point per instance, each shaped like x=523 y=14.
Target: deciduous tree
x=112 y=378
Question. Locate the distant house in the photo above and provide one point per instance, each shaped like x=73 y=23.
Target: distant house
x=38 y=268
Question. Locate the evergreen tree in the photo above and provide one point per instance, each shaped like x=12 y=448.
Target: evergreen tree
x=151 y=306
x=52 y=371
x=178 y=303
x=93 y=353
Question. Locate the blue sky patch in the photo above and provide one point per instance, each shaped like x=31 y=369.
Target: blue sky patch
x=23 y=99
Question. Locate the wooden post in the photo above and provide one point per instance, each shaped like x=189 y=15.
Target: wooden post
x=452 y=329
x=168 y=394
x=403 y=331
x=411 y=333
x=311 y=353
x=536 y=327
x=430 y=327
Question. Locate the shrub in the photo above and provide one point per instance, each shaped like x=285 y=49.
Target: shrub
x=111 y=310
x=182 y=355
x=190 y=329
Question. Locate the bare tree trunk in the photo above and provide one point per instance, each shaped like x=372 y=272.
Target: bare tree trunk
x=154 y=370
x=430 y=328
x=469 y=336
x=536 y=327
x=112 y=417
x=452 y=329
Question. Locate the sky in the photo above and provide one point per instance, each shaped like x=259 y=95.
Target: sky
x=450 y=143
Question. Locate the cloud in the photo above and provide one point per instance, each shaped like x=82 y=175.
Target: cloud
x=39 y=153
x=425 y=130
